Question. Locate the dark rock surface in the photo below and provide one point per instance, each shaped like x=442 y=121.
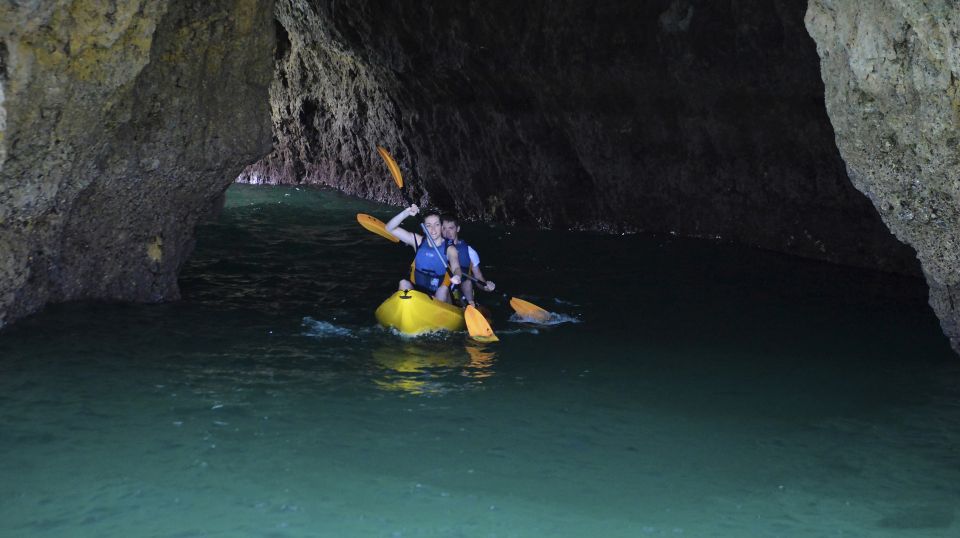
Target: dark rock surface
x=700 y=118
x=121 y=123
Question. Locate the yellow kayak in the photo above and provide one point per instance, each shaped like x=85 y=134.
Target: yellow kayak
x=412 y=312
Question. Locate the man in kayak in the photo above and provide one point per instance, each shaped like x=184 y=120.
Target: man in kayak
x=467 y=257
x=428 y=273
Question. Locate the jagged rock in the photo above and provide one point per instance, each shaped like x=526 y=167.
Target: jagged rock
x=121 y=122
x=891 y=70
x=700 y=118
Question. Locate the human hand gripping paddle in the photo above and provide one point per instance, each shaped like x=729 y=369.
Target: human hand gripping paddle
x=524 y=309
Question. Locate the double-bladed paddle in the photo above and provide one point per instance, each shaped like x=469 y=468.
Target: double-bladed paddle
x=395 y=172
x=392 y=165
x=477 y=326
x=524 y=309
x=376 y=226
x=528 y=310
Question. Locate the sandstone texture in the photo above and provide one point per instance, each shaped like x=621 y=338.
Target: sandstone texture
x=121 y=123
x=892 y=74
x=699 y=118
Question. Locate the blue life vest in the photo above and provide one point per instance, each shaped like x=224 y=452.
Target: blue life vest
x=463 y=254
x=428 y=269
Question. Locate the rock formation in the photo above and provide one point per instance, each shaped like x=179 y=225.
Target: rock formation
x=700 y=118
x=892 y=75
x=121 y=123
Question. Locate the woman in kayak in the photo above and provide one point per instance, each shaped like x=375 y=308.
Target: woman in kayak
x=428 y=273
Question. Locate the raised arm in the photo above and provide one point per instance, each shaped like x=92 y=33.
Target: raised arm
x=392 y=226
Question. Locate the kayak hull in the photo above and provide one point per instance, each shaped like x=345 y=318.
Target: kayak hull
x=412 y=312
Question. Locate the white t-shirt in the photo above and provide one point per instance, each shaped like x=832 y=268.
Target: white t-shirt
x=474 y=257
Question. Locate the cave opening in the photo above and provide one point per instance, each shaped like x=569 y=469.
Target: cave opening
x=711 y=305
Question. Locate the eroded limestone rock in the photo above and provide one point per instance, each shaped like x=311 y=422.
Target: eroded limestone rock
x=120 y=123
x=892 y=75
x=699 y=118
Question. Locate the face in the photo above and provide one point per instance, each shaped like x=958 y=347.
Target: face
x=433 y=226
x=450 y=230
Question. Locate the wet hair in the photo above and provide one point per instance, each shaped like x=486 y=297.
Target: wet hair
x=450 y=217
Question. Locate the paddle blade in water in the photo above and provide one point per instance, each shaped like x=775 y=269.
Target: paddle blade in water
x=392 y=165
x=529 y=310
x=376 y=226
x=477 y=325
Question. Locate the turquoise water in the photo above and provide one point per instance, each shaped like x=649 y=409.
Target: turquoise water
x=692 y=389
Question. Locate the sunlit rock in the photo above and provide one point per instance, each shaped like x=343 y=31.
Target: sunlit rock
x=121 y=122
x=891 y=70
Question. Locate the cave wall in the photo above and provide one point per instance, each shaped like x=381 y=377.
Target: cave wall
x=121 y=124
x=892 y=75
x=704 y=118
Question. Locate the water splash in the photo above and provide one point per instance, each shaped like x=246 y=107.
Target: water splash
x=438 y=335
x=325 y=329
x=556 y=318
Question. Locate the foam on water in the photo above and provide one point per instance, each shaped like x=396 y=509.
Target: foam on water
x=556 y=318
x=325 y=329
x=438 y=335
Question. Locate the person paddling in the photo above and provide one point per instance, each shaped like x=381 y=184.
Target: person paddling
x=467 y=257
x=428 y=273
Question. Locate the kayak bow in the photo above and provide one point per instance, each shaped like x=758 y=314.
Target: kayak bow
x=412 y=312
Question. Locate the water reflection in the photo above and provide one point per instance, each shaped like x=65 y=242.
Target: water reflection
x=481 y=360
x=431 y=368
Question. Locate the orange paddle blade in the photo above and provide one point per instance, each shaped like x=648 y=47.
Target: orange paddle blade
x=529 y=310
x=477 y=325
x=392 y=165
x=376 y=226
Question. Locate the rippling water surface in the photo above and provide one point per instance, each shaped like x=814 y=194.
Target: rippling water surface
x=693 y=389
